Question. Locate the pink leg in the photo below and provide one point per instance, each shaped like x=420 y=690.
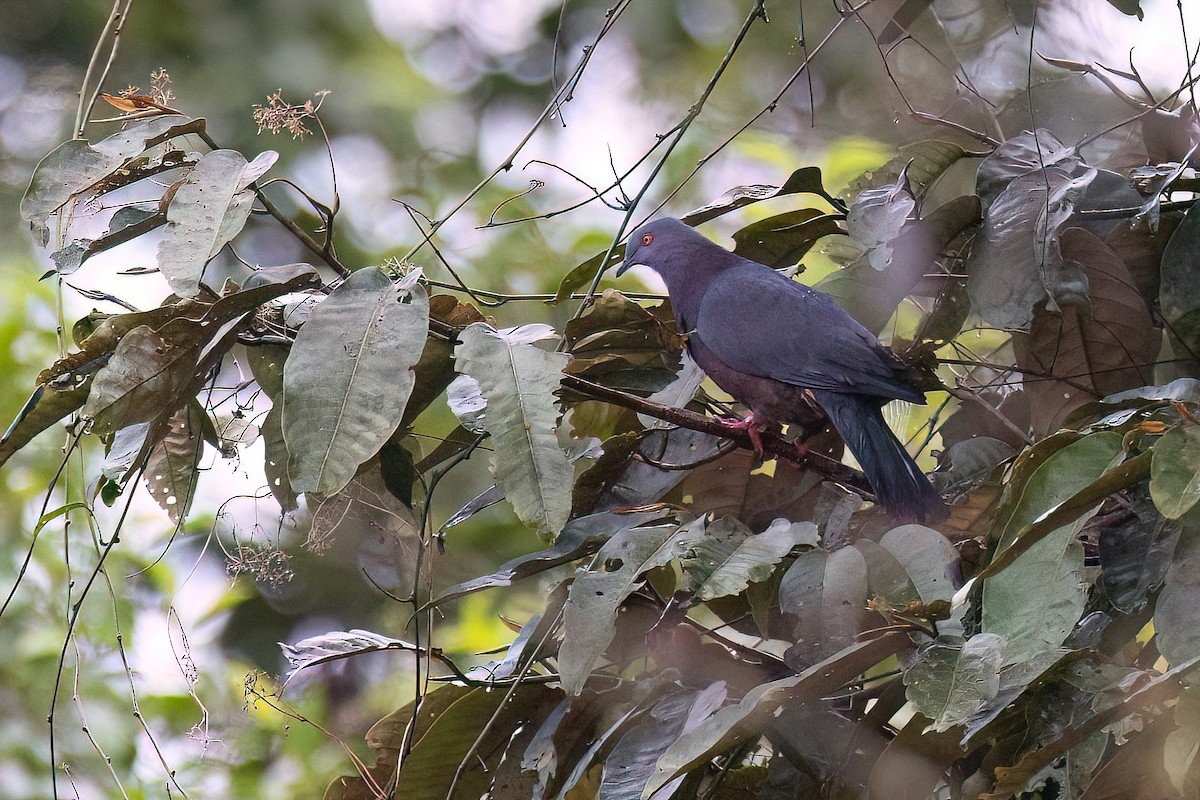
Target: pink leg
x=752 y=428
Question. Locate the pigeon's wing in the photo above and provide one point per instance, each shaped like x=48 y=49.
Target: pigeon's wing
x=761 y=323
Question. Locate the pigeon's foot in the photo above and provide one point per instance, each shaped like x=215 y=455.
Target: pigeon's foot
x=753 y=429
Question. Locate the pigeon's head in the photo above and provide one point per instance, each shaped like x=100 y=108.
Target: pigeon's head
x=666 y=246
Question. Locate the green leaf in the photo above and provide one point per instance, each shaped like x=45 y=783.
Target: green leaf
x=827 y=592
x=208 y=208
x=589 y=618
x=927 y=557
x=924 y=162
x=45 y=406
x=728 y=558
x=348 y=377
x=76 y=166
x=782 y=240
x=519 y=381
x=806 y=180
x=750 y=717
x=1036 y=603
x=1175 y=471
x=949 y=683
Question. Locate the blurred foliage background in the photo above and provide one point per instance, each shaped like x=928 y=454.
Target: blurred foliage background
x=427 y=98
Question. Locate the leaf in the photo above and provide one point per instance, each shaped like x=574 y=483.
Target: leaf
x=1035 y=605
x=449 y=722
x=676 y=394
x=924 y=162
x=749 y=718
x=728 y=557
x=172 y=466
x=733 y=486
x=335 y=645
x=464 y=396
x=1175 y=612
x=208 y=208
x=275 y=460
x=915 y=759
x=1175 y=471
x=624 y=346
x=45 y=406
x=877 y=216
x=1135 y=555
x=348 y=377
x=582 y=274
x=589 y=618
x=870 y=294
x=76 y=166
x=519 y=382
x=827 y=593
x=1024 y=154
x=581 y=537
x=949 y=683
x=927 y=556
x=1072 y=356
x=806 y=180
x=782 y=240
x=641 y=482
x=1017 y=263
x=631 y=762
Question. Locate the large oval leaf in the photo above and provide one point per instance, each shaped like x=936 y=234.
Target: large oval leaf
x=518 y=381
x=348 y=377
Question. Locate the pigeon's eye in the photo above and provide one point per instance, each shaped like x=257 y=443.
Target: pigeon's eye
x=647 y=239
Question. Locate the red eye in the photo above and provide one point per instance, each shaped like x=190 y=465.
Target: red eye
x=647 y=239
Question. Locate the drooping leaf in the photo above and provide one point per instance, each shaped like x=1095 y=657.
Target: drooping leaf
x=582 y=275
x=77 y=166
x=949 y=683
x=313 y=651
x=464 y=396
x=1175 y=471
x=927 y=556
x=782 y=240
x=1017 y=263
x=518 y=382
x=275 y=460
x=1073 y=355
x=1036 y=603
x=1175 y=612
x=631 y=762
x=827 y=593
x=589 y=617
x=749 y=718
x=208 y=208
x=45 y=406
x=171 y=468
x=348 y=377
x=1024 y=154
x=806 y=180
x=640 y=482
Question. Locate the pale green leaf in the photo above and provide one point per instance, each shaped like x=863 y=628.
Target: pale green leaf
x=1175 y=612
x=753 y=557
x=518 y=382
x=927 y=557
x=348 y=377
x=1175 y=471
x=589 y=618
x=1035 y=603
x=78 y=165
x=949 y=683
x=209 y=208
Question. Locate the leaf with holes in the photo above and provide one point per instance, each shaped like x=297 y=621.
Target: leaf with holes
x=518 y=381
x=348 y=377
x=172 y=466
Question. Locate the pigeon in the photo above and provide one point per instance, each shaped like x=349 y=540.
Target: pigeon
x=783 y=350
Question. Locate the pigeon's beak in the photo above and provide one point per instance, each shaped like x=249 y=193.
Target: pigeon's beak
x=625 y=265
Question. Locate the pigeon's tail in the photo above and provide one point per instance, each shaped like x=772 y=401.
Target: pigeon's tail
x=899 y=485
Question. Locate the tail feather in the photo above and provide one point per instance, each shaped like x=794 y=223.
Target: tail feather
x=899 y=485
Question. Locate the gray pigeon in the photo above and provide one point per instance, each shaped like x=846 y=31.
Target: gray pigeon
x=780 y=347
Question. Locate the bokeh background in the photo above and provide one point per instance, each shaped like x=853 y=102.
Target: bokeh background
x=427 y=98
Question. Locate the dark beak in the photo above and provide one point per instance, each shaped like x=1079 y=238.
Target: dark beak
x=623 y=267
